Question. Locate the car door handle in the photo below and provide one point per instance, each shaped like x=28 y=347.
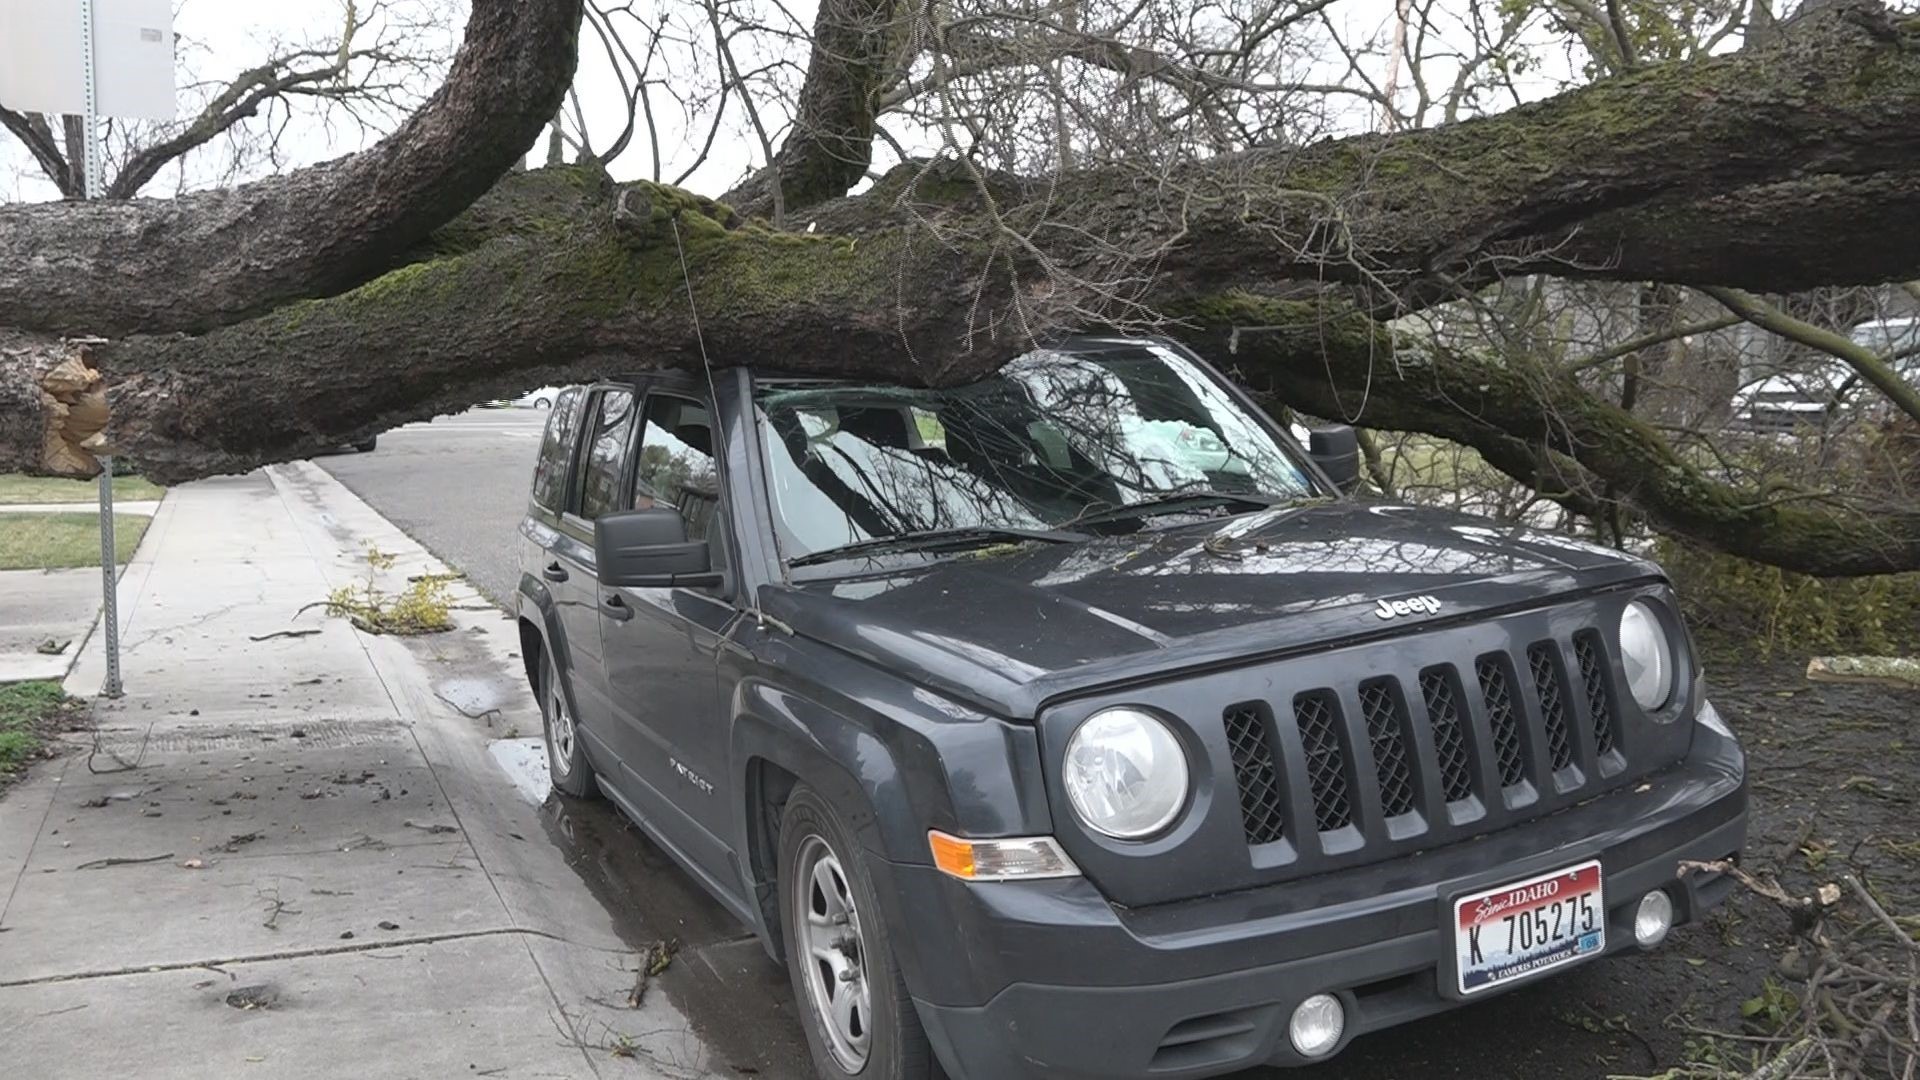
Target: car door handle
x=554 y=572
x=615 y=608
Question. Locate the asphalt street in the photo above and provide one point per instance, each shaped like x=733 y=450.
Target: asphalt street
x=459 y=484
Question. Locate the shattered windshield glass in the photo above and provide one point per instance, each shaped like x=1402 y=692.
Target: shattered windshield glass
x=1049 y=442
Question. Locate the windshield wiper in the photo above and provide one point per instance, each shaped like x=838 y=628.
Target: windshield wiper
x=1175 y=501
x=930 y=539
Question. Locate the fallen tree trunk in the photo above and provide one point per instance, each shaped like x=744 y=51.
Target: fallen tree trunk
x=937 y=276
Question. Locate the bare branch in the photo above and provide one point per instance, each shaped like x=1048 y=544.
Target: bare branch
x=1864 y=361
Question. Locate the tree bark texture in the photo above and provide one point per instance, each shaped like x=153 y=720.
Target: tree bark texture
x=1777 y=168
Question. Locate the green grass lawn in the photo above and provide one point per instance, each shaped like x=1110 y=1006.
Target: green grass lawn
x=49 y=541
x=16 y=489
x=27 y=711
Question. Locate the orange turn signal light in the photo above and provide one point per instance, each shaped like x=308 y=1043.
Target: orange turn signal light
x=952 y=854
x=1014 y=858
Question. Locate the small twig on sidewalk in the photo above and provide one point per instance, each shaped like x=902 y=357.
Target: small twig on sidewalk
x=275 y=908
x=655 y=960
x=124 y=765
x=283 y=633
x=102 y=864
x=434 y=828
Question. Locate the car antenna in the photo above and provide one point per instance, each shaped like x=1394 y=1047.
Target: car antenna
x=760 y=617
x=699 y=337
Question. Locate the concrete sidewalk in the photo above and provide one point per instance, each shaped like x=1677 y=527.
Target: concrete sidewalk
x=295 y=856
x=37 y=606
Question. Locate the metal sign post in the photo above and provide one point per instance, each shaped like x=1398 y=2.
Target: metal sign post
x=109 y=561
x=117 y=60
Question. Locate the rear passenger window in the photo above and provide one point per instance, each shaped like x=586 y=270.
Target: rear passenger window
x=556 y=451
x=605 y=452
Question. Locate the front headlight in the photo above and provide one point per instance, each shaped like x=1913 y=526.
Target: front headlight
x=1646 y=653
x=1125 y=773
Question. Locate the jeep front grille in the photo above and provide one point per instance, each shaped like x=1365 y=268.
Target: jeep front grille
x=1543 y=660
x=1439 y=741
x=1262 y=803
x=1594 y=676
x=1318 y=716
x=1494 y=683
x=1384 y=721
x=1449 y=734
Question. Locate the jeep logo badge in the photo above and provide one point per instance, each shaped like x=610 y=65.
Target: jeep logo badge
x=1391 y=609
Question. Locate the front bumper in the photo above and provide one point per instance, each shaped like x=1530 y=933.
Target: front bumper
x=1060 y=984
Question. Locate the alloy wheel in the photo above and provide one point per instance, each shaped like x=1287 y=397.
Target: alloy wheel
x=833 y=954
x=560 y=734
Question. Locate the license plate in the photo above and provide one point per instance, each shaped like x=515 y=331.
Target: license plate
x=1508 y=933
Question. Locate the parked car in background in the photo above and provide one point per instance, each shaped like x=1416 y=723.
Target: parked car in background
x=364 y=446
x=1077 y=722
x=1826 y=392
x=543 y=398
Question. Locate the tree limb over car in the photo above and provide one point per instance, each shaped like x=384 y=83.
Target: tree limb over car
x=367 y=297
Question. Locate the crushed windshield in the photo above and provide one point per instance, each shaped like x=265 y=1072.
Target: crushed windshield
x=1049 y=441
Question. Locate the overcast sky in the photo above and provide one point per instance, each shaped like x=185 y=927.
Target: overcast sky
x=219 y=38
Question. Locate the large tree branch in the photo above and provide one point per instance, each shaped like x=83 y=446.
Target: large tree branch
x=1531 y=421
x=934 y=278
x=237 y=101
x=1778 y=168
x=830 y=145
x=219 y=256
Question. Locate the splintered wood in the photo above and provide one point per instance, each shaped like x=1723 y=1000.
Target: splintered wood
x=76 y=413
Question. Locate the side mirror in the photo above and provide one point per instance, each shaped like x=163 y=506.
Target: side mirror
x=649 y=549
x=1336 y=450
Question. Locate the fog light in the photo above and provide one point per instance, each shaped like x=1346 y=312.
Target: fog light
x=1653 y=918
x=1317 y=1024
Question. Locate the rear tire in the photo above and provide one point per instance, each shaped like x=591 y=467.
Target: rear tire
x=366 y=446
x=542 y=403
x=566 y=759
x=852 y=1002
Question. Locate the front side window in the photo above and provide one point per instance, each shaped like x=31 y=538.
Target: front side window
x=676 y=466
x=1051 y=441
x=604 y=452
x=556 y=451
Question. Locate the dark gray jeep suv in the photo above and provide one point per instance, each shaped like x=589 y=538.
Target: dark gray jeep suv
x=1072 y=723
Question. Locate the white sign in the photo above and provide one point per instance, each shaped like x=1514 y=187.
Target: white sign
x=43 y=63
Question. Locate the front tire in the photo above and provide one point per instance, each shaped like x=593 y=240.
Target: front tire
x=566 y=759
x=852 y=1001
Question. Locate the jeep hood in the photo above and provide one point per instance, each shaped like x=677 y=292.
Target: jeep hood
x=1008 y=630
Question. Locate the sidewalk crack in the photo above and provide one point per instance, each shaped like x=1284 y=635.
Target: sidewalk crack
x=301 y=954
x=46 y=815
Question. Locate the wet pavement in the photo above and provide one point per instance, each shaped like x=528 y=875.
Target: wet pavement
x=739 y=1000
